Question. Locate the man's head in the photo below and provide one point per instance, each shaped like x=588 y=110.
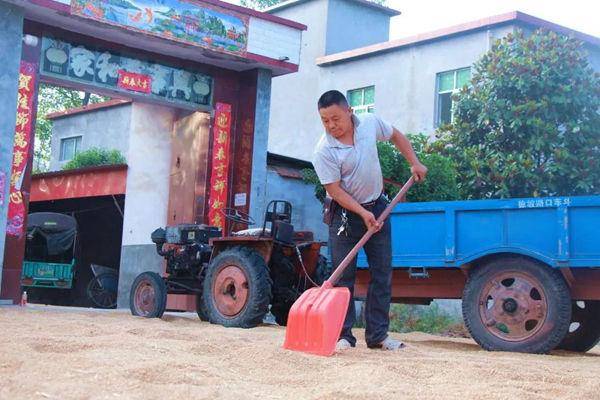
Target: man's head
x=335 y=113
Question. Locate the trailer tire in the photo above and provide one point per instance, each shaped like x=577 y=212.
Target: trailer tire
x=516 y=304
x=148 y=295
x=586 y=334
x=237 y=288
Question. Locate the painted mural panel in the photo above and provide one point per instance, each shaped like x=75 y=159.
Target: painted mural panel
x=198 y=24
x=106 y=69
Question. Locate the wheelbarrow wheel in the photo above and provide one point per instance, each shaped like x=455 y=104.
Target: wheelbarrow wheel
x=516 y=304
x=148 y=296
x=102 y=290
x=237 y=288
x=584 y=331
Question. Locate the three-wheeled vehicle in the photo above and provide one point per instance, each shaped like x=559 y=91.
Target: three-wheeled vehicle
x=51 y=262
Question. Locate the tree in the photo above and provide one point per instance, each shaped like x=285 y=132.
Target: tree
x=529 y=123
x=262 y=4
x=52 y=99
x=440 y=184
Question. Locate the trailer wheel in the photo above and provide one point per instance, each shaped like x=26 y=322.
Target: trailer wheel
x=148 y=296
x=237 y=288
x=516 y=304
x=584 y=331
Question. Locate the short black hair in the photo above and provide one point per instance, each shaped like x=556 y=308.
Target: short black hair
x=332 y=97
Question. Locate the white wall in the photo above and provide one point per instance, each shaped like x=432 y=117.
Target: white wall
x=149 y=160
x=105 y=128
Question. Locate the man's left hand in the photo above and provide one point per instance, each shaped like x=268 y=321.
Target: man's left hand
x=419 y=171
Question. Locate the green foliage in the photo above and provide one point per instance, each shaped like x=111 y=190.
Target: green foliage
x=52 y=99
x=429 y=319
x=95 y=157
x=440 y=184
x=529 y=123
x=310 y=176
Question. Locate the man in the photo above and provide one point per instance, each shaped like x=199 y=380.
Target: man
x=347 y=164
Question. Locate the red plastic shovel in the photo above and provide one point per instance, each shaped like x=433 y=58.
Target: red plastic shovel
x=315 y=320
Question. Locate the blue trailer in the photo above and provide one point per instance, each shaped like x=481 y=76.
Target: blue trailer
x=527 y=270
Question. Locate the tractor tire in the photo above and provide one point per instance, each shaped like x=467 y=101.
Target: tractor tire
x=281 y=308
x=237 y=288
x=201 y=308
x=148 y=296
x=585 y=322
x=200 y=305
x=516 y=304
x=323 y=270
x=281 y=311
x=284 y=290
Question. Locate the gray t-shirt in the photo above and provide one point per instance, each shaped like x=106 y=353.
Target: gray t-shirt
x=356 y=167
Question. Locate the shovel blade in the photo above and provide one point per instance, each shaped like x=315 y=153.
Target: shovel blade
x=315 y=320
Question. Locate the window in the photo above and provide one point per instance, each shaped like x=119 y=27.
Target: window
x=362 y=100
x=449 y=83
x=69 y=147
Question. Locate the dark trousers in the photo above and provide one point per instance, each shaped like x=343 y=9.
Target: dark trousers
x=379 y=257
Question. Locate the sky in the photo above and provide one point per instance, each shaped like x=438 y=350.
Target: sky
x=420 y=16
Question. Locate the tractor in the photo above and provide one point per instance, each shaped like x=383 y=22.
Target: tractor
x=237 y=278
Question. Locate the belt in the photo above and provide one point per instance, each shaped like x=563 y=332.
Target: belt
x=372 y=203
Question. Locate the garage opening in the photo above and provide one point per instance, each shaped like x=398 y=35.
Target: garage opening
x=94 y=254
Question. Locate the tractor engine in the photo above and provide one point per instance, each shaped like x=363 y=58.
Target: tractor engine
x=185 y=247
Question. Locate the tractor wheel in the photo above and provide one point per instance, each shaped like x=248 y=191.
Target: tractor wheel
x=237 y=288
x=148 y=296
x=284 y=289
x=323 y=270
x=584 y=331
x=280 y=311
x=281 y=308
x=200 y=305
x=201 y=308
x=516 y=304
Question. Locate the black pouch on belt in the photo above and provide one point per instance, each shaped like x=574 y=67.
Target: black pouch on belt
x=328 y=210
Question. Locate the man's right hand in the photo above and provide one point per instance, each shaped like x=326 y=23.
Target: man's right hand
x=370 y=220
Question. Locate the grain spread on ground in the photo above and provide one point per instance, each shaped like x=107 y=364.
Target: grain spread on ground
x=56 y=353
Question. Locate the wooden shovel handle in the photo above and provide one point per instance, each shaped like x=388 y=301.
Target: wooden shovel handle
x=346 y=261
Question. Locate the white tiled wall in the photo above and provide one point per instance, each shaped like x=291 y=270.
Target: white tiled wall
x=273 y=40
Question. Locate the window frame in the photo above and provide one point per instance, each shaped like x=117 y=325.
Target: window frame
x=77 y=145
x=363 y=108
x=453 y=91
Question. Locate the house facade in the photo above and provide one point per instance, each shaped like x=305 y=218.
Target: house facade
x=408 y=82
